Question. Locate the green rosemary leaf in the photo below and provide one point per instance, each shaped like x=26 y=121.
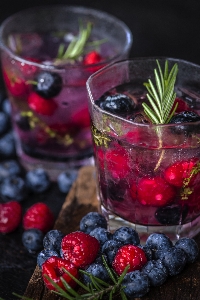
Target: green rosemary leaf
x=69 y=288
x=111 y=274
x=21 y=297
x=59 y=291
x=161 y=96
x=85 y=287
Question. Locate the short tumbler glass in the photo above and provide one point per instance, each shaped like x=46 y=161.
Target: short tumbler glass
x=45 y=68
x=148 y=175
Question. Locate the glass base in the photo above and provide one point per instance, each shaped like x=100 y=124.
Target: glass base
x=175 y=232
x=53 y=168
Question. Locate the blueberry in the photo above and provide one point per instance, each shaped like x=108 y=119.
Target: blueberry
x=44 y=255
x=97 y=270
x=126 y=235
x=136 y=284
x=32 y=240
x=9 y=167
x=156 y=272
x=101 y=234
x=13 y=188
x=147 y=250
x=174 y=260
x=48 y=85
x=171 y=215
x=110 y=249
x=92 y=220
x=52 y=240
x=119 y=104
x=4 y=123
x=6 y=106
x=7 y=146
x=184 y=117
x=37 y=180
x=190 y=247
x=66 y=179
x=159 y=243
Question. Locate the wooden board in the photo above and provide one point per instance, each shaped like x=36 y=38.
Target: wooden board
x=82 y=199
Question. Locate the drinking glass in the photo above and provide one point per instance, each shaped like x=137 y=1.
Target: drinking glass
x=47 y=54
x=148 y=174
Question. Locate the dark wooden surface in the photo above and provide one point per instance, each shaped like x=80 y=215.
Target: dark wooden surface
x=82 y=199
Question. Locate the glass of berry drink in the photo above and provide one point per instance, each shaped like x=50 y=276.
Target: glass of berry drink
x=146 y=134
x=47 y=53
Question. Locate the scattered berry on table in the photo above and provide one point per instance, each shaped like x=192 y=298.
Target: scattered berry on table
x=136 y=284
x=10 y=216
x=38 y=216
x=190 y=247
x=110 y=249
x=156 y=272
x=13 y=188
x=174 y=260
x=129 y=255
x=52 y=240
x=65 y=180
x=53 y=267
x=159 y=243
x=97 y=270
x=48 y=85
x=92 y=220
x=101 y=234
x=9 y=167
x=37 y=180
x=7 y=146
x=32 y=240
x=126 y=235
x=80 y=248
x=44 y=255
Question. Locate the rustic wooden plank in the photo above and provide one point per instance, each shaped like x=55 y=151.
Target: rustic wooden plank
x=82 y=199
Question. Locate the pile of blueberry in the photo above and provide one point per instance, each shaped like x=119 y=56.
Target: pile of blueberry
x=149 y=265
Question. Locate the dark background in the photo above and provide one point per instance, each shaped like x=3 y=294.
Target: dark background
x=160 y=28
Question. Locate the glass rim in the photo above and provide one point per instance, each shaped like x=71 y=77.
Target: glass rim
x=131 y=123
x=77 y=9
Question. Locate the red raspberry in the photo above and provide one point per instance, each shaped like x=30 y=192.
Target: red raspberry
x=53 y=267
x=129 y=255
x=38 y=216
x=117 y=162
x=40 y=105
x=182 y=105
x=80 y=248
x=93 y=58
x=15 y=85
x=180 y=171
x=10 y=216
x=155 y=191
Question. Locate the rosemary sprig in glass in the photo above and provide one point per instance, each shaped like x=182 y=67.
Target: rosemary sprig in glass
x=161 y=97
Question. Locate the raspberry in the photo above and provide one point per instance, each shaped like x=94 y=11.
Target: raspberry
x=155 y=191
x=10 y=216
x=38 y=216
x=81 y=119
x=116 y=158
x=15 y=85
x=182 y=105
x=53 y=268
x=40 y=105
x=92 y=58
x=80 y=248
x=129 y=255
x=180 y=171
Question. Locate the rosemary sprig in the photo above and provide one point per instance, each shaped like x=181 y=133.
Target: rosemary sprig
x=162 y=95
